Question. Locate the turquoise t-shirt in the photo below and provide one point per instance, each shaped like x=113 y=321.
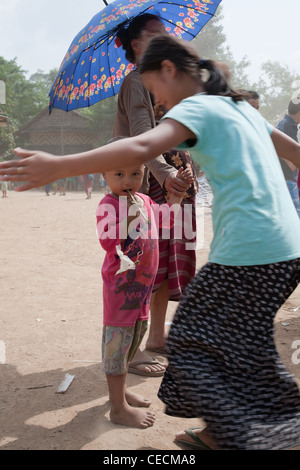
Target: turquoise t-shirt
x=254 y=218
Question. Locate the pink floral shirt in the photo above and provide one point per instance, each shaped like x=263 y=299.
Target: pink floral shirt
x=127 y=292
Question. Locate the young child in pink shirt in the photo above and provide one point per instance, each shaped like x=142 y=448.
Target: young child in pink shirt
x=127 y=224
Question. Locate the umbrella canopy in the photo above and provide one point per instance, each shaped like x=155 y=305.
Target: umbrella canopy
x=94 y=66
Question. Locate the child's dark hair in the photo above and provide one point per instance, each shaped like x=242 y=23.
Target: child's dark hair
x=133 y=31
x=186 y=59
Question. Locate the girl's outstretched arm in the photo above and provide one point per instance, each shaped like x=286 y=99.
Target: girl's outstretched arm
x=37 y=168
x=286 y=147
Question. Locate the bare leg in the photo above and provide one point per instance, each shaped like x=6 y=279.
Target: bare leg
x=156 y=338
x=158 y=309
x=121 y=412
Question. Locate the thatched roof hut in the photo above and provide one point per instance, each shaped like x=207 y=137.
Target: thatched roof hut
x=58 y=133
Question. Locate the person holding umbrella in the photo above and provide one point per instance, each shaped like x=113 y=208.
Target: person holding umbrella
x=135 y=115
x=96 y=55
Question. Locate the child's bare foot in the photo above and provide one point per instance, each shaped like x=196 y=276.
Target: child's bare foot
x=132 y=417
x=134 y=399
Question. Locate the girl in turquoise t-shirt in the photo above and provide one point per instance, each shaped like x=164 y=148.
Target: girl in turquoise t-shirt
x=223 y=364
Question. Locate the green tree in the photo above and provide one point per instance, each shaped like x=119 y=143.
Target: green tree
x=24 y=99
x=211 y=44
x=19 y=92
x=275 y=84
x=276 y=87
x=7 y=141
x=18 y=96
x=102 y=116
x=42 y=83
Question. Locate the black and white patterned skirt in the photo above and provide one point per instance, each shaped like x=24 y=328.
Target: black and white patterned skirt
x=223 y=363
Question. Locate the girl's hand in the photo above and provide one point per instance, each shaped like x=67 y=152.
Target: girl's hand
x=34 y=167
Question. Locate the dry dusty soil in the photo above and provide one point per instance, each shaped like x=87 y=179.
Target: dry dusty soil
x=50 y=325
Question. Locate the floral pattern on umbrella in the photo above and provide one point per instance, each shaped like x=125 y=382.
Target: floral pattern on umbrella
x=94 y=66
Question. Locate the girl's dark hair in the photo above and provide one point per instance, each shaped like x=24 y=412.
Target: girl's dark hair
x=186 y=59
x=133 y=31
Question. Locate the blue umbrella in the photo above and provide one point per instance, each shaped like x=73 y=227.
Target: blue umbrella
x=94 y=66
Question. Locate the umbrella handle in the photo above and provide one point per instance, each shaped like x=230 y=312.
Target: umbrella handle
x=105 y=2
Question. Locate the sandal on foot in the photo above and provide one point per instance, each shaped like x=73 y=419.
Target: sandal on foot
x=133 y=369
x=197 y=444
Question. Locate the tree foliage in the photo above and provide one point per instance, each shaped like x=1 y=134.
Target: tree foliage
x=276 y=84
x=102 y=116
x=211 y=44
x=25 y=98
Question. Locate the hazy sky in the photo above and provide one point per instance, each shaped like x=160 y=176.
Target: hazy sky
x=39 y=32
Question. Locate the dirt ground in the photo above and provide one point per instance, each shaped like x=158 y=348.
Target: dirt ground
x=50 y=325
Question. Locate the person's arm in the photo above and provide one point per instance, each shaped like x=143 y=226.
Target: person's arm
x=160 y=169
x=135 y=99
x=39 y=168
x=286 y=147
x=290 y=164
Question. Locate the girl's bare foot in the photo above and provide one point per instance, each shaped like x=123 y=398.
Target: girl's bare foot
x=201 y=433
x=134 y=399
x=129 y=416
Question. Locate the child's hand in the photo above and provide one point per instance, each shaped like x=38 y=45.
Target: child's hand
x=186 y=175
x=178 y=182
